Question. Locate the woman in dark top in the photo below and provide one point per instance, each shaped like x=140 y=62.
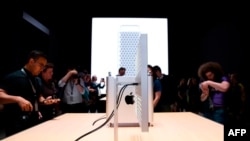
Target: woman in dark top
x=49 y=90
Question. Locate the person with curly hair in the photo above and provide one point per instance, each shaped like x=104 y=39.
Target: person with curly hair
x=214 y=85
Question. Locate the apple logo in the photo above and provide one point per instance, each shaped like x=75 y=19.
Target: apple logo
x=129 y=99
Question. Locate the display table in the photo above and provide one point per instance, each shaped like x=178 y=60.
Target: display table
x=176 y=126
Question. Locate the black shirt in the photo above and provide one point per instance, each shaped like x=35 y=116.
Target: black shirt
x=20 y=83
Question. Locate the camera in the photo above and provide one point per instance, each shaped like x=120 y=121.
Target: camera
x=75 y=76
x=80 y=73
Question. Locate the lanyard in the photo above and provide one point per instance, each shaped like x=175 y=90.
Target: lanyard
x=72 y=84
x=33 y=89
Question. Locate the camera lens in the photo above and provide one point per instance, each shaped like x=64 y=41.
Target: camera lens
x=74 y=76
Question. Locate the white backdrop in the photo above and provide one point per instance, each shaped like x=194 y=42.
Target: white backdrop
x=105 y=43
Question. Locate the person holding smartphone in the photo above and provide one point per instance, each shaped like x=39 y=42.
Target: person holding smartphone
x=97 y=86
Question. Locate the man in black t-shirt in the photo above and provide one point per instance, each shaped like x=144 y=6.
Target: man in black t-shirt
x=22 y=84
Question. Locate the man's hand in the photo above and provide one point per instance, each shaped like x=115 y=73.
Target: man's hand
x=73 y=72
x=24 y=104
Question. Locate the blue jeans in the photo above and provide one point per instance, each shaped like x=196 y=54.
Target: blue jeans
x=215 y=114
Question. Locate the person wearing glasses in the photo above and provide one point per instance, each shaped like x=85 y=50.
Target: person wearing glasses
x=21 y=95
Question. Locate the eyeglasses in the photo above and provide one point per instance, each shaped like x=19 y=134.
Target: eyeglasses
x=41 y=65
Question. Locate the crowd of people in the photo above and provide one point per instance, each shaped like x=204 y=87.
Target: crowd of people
x=213 y=94
x=31 y=95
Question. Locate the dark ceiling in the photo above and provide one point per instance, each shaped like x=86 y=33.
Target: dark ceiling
x=70 y=25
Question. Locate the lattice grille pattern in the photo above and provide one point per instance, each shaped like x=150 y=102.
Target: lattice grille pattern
x=127 y=53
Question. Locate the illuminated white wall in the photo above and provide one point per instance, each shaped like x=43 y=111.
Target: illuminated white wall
x=105 y=43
